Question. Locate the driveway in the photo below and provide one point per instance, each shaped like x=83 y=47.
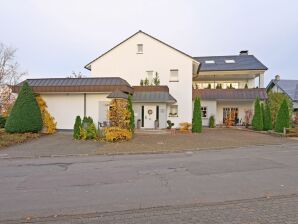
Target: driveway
x=62 y=143
x=58 y=144
x=230 y=183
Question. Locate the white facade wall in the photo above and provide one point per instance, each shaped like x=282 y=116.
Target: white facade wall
x=125 y=62
x=93 y=106
x=211 y=110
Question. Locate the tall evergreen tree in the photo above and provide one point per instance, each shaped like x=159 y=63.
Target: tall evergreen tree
x=132 y=116
x=263 y=114
x=282 y=118
x=77 y=127
x=267 y=118
x=25 y=115
x=257 y=121
x=197 y=117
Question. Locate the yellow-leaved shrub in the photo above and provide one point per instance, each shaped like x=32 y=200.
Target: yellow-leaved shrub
x=115 y=134
x=119 y=117
x=49 y=123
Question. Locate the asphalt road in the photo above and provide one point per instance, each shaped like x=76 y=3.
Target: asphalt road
x=223 y=182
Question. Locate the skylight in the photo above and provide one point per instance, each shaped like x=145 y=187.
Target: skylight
x=210 y=62
x=230 y=61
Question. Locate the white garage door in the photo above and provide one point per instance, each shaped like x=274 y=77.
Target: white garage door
x=64 y=108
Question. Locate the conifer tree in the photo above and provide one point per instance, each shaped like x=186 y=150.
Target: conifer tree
x=257 y=121
x=25 y=115
x=282 y=118
x=197 y=117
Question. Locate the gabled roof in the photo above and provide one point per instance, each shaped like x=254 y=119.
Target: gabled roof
x=140 y=31
x=102 y=84
x=289 y=87
x=230 y=94
x=242 y=62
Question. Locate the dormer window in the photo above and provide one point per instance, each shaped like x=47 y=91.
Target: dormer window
x=210 y=62
x=140 y=49
x=230 y=61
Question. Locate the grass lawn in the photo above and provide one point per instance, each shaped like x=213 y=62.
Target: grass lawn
x=7 y=139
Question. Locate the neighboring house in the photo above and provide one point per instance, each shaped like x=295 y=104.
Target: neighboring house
x=118 y=72
x=288 y=87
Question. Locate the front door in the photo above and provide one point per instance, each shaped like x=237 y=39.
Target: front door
x=149 y=116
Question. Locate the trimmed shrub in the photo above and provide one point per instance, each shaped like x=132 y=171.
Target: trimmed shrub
x=2 y=121
x=211 y=122
x=25 y=115
x=282 y=118
x=132 y=116
x=120 y=119
x=267 y=118
x=77 y=128
x=197 y=117
x=91 y=131
x=115 y=134
x=257 y=121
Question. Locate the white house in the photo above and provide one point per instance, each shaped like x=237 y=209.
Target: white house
x=119 y=71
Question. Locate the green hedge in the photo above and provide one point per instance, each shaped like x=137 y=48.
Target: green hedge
x=25 y=115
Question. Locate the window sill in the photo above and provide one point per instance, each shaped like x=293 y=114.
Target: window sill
x=139 y=52
x=174 y=81
x=173 y=116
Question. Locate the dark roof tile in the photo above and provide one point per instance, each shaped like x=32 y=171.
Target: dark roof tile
x=230 y=94
x=242 y=62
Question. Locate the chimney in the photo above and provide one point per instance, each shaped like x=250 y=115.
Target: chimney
x=244 y=52
x=277 y=77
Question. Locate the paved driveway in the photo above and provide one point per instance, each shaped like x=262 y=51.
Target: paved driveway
x=60 y=143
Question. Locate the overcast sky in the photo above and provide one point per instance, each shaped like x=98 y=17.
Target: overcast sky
x=56 y=37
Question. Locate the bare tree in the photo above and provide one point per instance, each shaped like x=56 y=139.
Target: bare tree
x=9 y=68
x=9 y=75
x=76 y=75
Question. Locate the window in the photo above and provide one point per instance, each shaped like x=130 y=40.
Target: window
x=173 y=111
x=210 y=62
x=204 y=112
x=150 y=76
x=140 y=48
x=230 y=61
x=174 y=75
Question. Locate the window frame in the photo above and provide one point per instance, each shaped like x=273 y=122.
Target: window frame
x=206 y=111
x=138 y=48
x=174 y=80
x=174 y=114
